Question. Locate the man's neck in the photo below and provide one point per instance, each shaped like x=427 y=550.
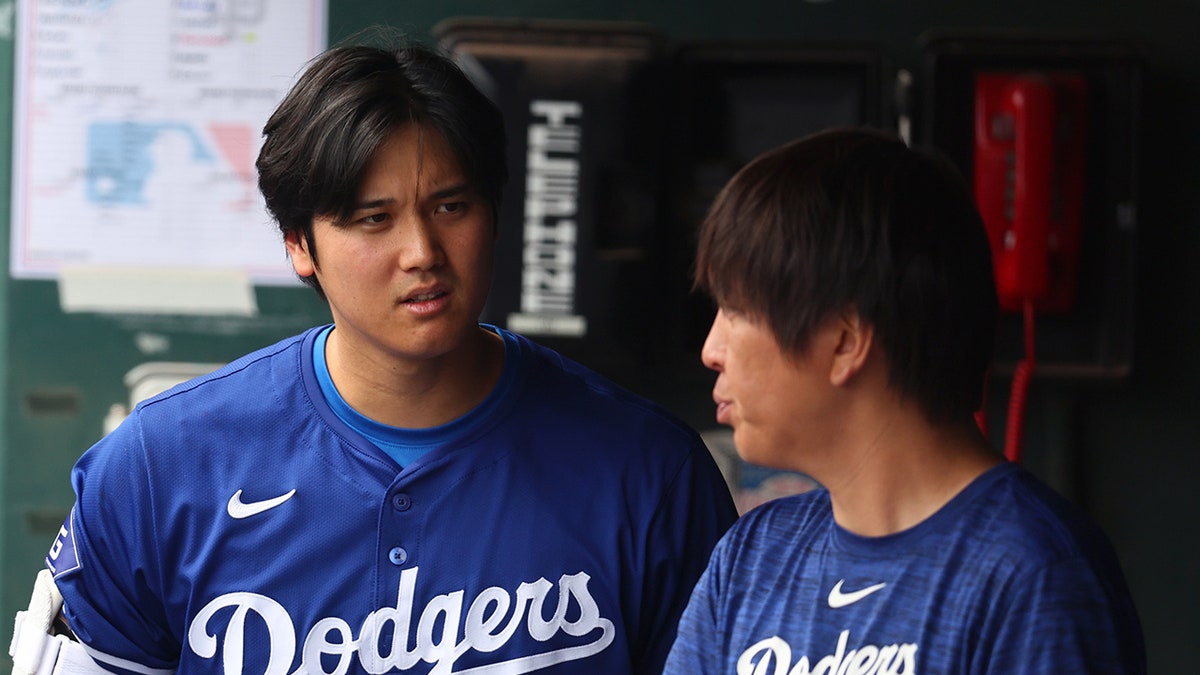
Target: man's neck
x=419 y=394
x=898 y=469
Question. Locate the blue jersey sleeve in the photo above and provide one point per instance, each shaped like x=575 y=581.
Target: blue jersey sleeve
x=698 y=498
x=104 y=559
x=698 y=649
x=1063 y=619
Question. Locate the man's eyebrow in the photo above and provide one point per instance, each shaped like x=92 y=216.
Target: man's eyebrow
x=373 y=204
x=445 y=193
x=452 y=191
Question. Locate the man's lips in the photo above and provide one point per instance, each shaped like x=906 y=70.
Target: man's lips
x=426 y=301
x=723 y=407
x=424 y=297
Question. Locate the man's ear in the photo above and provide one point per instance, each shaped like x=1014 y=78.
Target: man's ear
x=855 y=340
x=297 y=248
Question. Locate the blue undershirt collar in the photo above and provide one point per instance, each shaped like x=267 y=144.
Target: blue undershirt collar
x=406 y=446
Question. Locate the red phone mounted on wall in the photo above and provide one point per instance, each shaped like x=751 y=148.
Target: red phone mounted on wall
x=1030 y=132
x=1008 y=105
x=1030 y=141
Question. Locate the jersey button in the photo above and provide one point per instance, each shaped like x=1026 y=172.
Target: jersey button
x=398 y=556
x=401 y=501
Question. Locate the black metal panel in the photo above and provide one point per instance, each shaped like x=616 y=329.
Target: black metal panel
x=584 y=108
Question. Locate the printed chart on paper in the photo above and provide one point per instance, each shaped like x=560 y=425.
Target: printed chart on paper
x=137 y=123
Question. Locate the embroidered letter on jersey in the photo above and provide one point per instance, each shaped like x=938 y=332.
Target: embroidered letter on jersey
x=865 y=660
x=481 y=628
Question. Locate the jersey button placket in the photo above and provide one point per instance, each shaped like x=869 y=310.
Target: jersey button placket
x=400 y=502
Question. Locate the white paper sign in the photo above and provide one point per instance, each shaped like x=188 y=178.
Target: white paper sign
x=137 y=124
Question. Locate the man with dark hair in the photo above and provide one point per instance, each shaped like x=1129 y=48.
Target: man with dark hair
x=404 y=490
x=856 y=319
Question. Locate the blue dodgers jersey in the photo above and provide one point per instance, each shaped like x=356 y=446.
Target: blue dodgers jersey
x=1006 y=578
x=234 y=524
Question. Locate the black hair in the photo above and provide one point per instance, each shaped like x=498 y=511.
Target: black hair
x=326 y=131
x=855 y=219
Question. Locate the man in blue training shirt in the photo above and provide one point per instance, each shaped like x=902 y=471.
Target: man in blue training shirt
x=404 y=490
x=856 y=319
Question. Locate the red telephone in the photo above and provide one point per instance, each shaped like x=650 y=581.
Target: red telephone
x=1030 y=139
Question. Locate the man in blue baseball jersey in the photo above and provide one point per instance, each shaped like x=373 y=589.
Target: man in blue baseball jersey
x=404 y=490
x=855 y=324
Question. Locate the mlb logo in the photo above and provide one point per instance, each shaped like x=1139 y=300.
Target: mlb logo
x=62 y=557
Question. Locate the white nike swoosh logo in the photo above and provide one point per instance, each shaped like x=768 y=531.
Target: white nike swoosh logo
x=839 y=599
x=239 y=509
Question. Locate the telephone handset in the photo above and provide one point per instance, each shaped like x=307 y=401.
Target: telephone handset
x=1030 y=136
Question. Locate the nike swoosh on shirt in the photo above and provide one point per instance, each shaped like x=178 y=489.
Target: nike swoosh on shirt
x=839 y=599
x=239 y=509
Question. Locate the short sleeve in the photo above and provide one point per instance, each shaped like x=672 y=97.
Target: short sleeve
x=105 y=559
x=1064 y=619
x=696 y=649
x=695 y=512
